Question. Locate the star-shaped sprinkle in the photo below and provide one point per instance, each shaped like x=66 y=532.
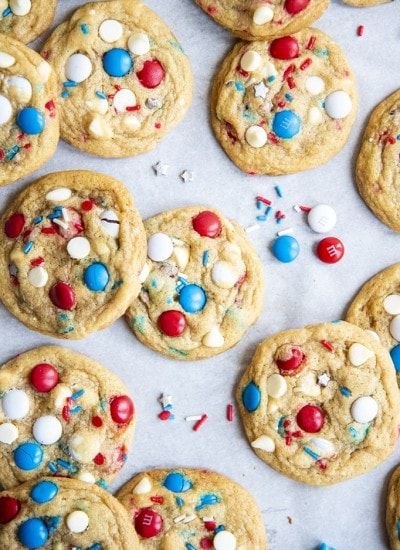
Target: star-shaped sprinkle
x=261 y=90
x=161 y=169
x=165 y=400
x=324 y=379
x=187 y=176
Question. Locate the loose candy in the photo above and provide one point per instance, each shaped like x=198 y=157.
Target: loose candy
x=15 y=404
x=122 y=409
x=44 y=491
x=33 y=533
x=96 y=277
x=78 y=67
x=148 y=523
x=43 y=377
x=159 y=247
x=286 y=248
x=31 y=120
x=322 y=218
x=28 y=456
x=286 y=124
x=207 y=224
x=117 y=62
x=330 y=250
x=172 y=323
x=9 y=508
x=152 y=74
x=251 y=397
x=192 y=298
x=62 y=296
x=284 y=48
x=47 y=430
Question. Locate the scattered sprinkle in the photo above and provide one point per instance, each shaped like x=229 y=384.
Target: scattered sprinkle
x=200 y=422
x=324 y=379
x=6 y=12
x=187 y=176
x=159 y=500
x=278 y=191
x=27 y=247
x=263 y=199
x=229 y=413
x=286 y=231
x=327 y=345
x=252 y=228
x=345 y=391
x=179 y=518
x=70 y=84
x=101 y=94
x=161 y=169
x=193 y=417
x=84 y=28
x=205 y=257
x=360 y=30
x=65 y=94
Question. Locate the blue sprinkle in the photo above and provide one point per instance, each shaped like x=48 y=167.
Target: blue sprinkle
x=239 y=86
x=179 y=501
x=176 y=45
x=336 y=321
x=168 y=408
x=311 y=453
x=261 y=218
x=84 y=28
x=53 y=215
x=324 y=546
x=96 y=546
x=279 y=220
x=171 y=417
x=52 y=467
x=289 y=97
x=37 y=220
x=271 y=78
x=77 y=394
x=260 y=205
x=207 y=500
x=102 y=483
x=76 y=409
x=398 y=529
x=278 y=191
x=398 y=137
x=52 y=522
x=67 y=465
x=190 y=547
x=178 y=351
x=70 y=84
x=65 y=94
x=219 y=528
x=205 y=257
x=27 y=247
x=280 y=423
x=153 y=283
x=345 y=391
x=353 y=432
x=6 y=12
x=178 y=288
x=268 y=211
x=101 y=94
x=15 y=149
x=182 y=281
x=58 y=208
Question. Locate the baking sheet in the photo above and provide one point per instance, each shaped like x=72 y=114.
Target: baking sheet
x=348 y=516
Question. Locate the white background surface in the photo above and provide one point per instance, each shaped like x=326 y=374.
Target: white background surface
x=349 y=516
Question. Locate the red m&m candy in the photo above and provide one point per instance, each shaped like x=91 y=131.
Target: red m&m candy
x=296 y=6
x=43 y=377
x=286 y=47
x=62 y=296
x=207 y=224
x=310 y=419
x=330 y=250
x=148 y=523
x=121 y=409
x=9 y=508
x=14 y=225
x=289 y=358
x=152 y=74
x=172 y=322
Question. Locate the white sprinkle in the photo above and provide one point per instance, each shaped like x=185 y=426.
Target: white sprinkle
x=161 y=169
x=179 y=518
x=65 y=214
x=165 y=400
x=285 y=231
x=189 y=518
x=297 y=208
x=193 y=417
x=182 y=275
x=252 y=228
x=208 y=518
x=187 y=176
x=324 y=379
x=60 y=223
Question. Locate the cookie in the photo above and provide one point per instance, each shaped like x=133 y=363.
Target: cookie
x=377 y=308
x=62 y=414
x=29 y=122
x=72 y=247
x=377 y=174
x=393 y=510
x=123 y=78
x=63 y=513
x=203 y=284
x=257 y=20
x=284 y=106
x=365 y=3
x=320 y=404
x=26 y=20
x=185 y=509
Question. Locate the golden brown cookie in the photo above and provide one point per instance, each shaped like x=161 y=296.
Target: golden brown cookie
x=284 y=106
x=393 y=511
x=253 y=20
x=62 y=414
x=62 y=513
x=73 y=246
x=364 y=3
x=29 y=123
x=203 y=284
x=377 y=174
x=320 y=404
x=25 y=20
x=123 y=78
x=186 y=509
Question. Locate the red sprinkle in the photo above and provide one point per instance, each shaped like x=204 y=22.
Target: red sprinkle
x=157 y=125
x=229 y=413
x=14 y=281
x=21 y=136
x=200 y=422
x=288 y=440
x=305 y=208
x=360 y=30
x=263 y=199
x=327 y=345
x=99 y=459
x=48 y=230
x=291 y=83
x=287 y=423
x=1 y=155
x=117 y=87
x=211 y=9
x=311 y=43
x=391 y=140
x=97 y=421
x=242 y=72
x=37 y=261
x=272 y=137
x=287 y=72
x=65 y=413
x=50 y=106
x=306 y=64
x=27 y=145
x=79 y=227
x=133 y=108
x=281 y=104
x=159 y=500
x=164 y=415
x=87 y=205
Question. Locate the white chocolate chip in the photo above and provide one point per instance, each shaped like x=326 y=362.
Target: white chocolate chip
x=110 y=222
x=373 y=334
x=5 y=110
x=44 y=69
x=143 y=487
x=78 y=67
x=97 y=105
x=394 y=328
x=264 y=443
x=314 y=116
x=77 y=521
x=308 y=385
x=58 y=195
x=131 y=123
x=110 y=30
x=262 y=15
x=391 y=304
x=87 y=477
x=84 y=446
x=269 y=69
x=213 y=338
x=78 y=248
x=6 y=60
x=38 y=276
x=60 y=394
x=276 y=386
x=181 y=256
x=315 y=85
x=139 y=44
x=322 y=445
x=358 y=354
x=144 y=273
x=15 y=404
x=99 y=128
x=223 y=275
x=364 y=409
x=256 y=136
x=124 y=98
x=250 y=61
x=18 y=87
x=224 y=540
x=159 y=247
x=20 y=7
x=8 y=433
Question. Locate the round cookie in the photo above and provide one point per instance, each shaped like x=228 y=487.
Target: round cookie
x=252 y=20
x=393 y=510
x=284 y=106
x=377 y=174
x=62 y=513
x=320 y=404
x=203 y=284
x=29 y=122
x=364 y=3
x=62 y=414
x=185 y=509
x=123 y=78
x=377 y=308
x=73 y=246
x=25 y=20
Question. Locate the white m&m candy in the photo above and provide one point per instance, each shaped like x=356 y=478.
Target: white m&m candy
x=322 y=218
x=19 y=87
x=338 y=104
x=110 y=30
x=38 y=276
x=6 y=60
x=78 y=247
x=20 y=7
x=391 y=304
x=364 y=409
x=224 y=540
x=77 y=521
x=159 y=247
x=139 y=44
x=59 y=194
x=47 y=430
x=15 y=404
x=314 y=85
x=78 y=67
x=124 y=98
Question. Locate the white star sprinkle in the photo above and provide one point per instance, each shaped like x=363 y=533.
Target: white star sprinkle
x=165 y=400
x=161 y=169
x=324 y=379
x=187 y=175
x=261 y=90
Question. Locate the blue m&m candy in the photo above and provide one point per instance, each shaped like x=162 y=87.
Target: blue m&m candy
x=286 y=248
x=177 y=483
x=96 y=277
x=192 y=298
x=31 y=120
x=33 y=533
x=44 y=491
x=395 y=355
x=251 y=397
x=286 y=124
x=117 y=62
x=28 y=456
